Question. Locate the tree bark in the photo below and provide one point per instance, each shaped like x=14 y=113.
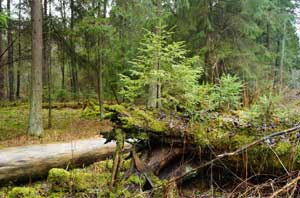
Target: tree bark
x=74 y=73
x=2 y=85
x=21 y=164
x=35 y=115
x=282 y=56
x=101 y=46
x=19 y=54
x=45 y=43
x=10 y=55
x=62 y=68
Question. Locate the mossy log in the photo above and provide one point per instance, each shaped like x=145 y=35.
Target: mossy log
x=174 y=148
x=69 y=105
x=22 y=164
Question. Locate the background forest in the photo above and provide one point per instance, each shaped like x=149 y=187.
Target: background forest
x=89 y=44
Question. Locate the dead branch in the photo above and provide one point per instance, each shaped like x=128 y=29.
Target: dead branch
x=236 y=152
x=286 y=187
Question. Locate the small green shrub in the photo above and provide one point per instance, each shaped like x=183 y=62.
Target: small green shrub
x=263 y=111
x=219 y=97
x=228 y=92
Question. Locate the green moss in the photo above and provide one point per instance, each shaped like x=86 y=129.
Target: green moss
x=109 y=164
x=296 y=156
x=144 y=119
x=59 y=180
x=117 y=108
x=200 y=136
x=126 y=165
x=23 y=192
x=81 y=180
x=283 y=148
x=56 y=195
x=103 y=179
x=240 y=140
x=134 y=179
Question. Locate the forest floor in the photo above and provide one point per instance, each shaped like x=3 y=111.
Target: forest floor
x=67 y=124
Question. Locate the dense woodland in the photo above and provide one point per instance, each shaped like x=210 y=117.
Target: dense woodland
x=89 y=45
x=206 y=92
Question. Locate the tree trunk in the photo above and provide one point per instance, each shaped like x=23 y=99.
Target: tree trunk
x=74 y=73
x=62 y=68
x=35 y=116
x=21 y=164
x=10 y=55
x=101 y=46
x=49 y=79
x=2 y=85
x=19 y=54
x=45 y=43
x=282 y=56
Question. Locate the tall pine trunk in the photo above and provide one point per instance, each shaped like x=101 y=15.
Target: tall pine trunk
x=2 y=84
x=49 y=62
x=74 y=73
x=19 y=54
x=10 y=54
x=35 y=115
x=282 y=55
x=101 y=46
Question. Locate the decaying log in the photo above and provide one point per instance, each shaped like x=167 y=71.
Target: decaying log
x=236 y=152
x=21 y=164
x=166 y=142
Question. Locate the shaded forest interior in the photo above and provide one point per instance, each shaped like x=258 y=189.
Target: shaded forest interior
x=207 y=94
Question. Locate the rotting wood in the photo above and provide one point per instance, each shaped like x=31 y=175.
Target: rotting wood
x=21 y=164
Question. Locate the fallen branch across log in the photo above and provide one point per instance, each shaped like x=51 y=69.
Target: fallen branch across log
x=21 y=164
x=236 y=152
x=194 y=171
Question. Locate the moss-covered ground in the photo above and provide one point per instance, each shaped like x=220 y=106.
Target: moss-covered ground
x=92 y=181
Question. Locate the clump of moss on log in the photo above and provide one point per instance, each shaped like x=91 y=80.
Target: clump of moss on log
x=59 y=179
x=90 y=181
x=23 y=192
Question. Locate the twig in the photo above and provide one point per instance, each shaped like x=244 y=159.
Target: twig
x=293 y=182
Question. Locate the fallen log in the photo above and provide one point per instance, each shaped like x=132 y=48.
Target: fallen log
x=170 y=147
x=23 y=164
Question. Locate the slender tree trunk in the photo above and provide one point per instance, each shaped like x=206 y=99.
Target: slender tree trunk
x=35 y=115
x=10 y=55
x=19 y=54
x=45 y=43
x=101 y=63
x=2 y=83
x=62 y=68
x=74 y=80
x=282 y=56
x=49 y=62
